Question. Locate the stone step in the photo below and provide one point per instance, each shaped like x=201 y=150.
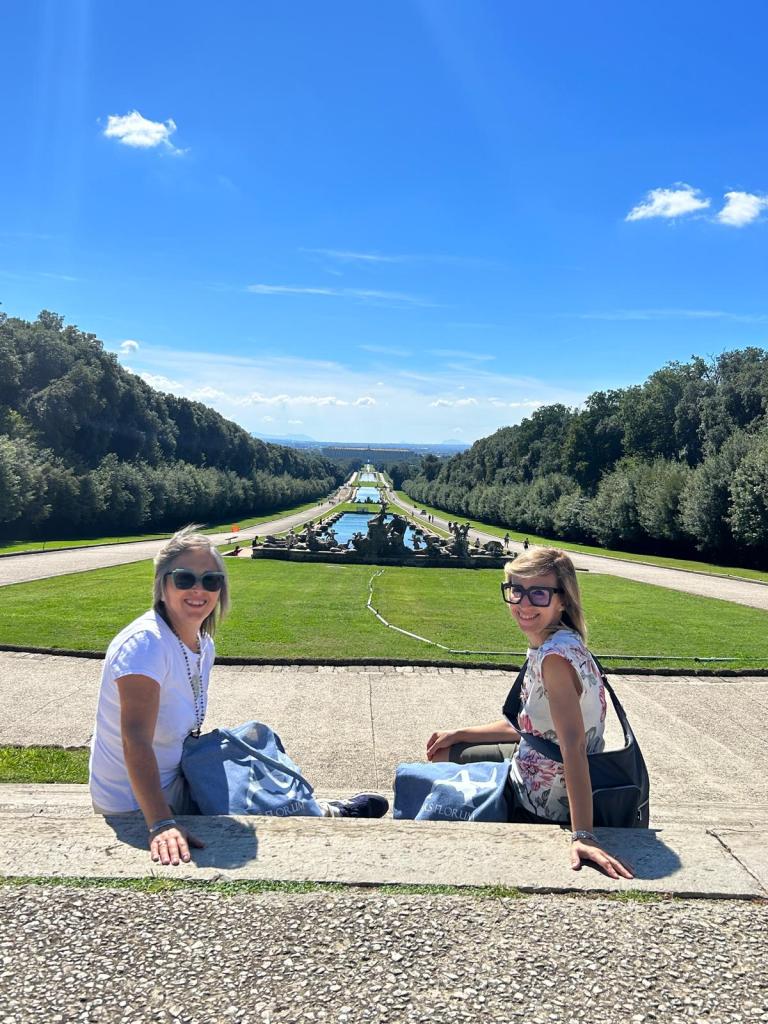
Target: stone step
x=64 y=840
x=73 y=800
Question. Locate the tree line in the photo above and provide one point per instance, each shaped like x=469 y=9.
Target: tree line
x=87 y=446
x=676 y=465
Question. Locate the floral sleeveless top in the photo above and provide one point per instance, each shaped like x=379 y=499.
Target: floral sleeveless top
x=539 y=783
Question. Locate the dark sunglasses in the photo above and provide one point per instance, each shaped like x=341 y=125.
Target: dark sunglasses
x=185 y=579
x=540 y=597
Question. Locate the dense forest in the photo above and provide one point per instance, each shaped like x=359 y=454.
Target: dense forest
x=677 y=465
x=88 y=447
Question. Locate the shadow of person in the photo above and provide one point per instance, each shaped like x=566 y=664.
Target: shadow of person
x=641 y=849
x=229 y=842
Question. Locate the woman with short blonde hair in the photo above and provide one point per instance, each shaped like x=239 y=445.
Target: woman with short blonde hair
x=154 y=693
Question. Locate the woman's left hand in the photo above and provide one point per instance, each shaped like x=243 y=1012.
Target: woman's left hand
x=585 y=850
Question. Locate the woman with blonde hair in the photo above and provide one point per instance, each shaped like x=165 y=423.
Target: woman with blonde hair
x=154 y=693
x=562 y=700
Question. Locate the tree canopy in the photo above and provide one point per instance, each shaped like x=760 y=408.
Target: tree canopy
x=85 y=445
x=674 y=465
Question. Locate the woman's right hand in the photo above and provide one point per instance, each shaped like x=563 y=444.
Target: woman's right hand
x=440 y=741
x=171 y=845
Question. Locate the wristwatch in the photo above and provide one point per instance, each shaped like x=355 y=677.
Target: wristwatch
x=582 y=834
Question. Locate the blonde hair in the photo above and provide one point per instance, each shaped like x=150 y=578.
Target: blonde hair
x=187 y=540
x=539 y=562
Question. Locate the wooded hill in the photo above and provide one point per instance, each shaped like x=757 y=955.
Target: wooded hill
x=676 y=465
x=88 y=447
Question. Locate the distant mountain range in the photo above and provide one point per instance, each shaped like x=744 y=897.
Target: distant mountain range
x=303 y=441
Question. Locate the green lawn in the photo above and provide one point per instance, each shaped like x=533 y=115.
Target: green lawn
x=43 y=764
x=298 y=610
x=669 y=563
x=18 y=547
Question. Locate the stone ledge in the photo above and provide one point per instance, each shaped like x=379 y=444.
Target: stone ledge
x=675 y=860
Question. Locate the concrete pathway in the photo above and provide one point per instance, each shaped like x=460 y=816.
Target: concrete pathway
x=754 y=595
x=703 y=738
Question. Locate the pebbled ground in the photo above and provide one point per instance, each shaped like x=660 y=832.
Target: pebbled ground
x=196 y=957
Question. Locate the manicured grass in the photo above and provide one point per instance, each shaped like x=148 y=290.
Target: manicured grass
x=628 y=556
x=293 y=610
x=43 y=764
x=19 y=547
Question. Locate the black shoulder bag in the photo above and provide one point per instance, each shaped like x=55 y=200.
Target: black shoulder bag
x=620 y=783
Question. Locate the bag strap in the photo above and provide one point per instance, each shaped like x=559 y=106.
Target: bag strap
x=551 y=750
x=511 y=708
x=260 y=755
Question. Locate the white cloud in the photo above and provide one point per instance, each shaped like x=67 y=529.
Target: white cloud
x=327 y=396
x=344 y=293
x=454 y=353
x=674 y=314
x=161 y=383
x=256 y=398
x=128 y=347
x=741 y=208
x=345 y=256
x=139 y=132
x=386 y=350
x=267 y=419
x=206 y=394
x=443 y=403
x=669 y=203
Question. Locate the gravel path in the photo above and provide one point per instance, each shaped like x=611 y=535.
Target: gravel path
x=754 y=595
x=69 y=954
x=23 y=568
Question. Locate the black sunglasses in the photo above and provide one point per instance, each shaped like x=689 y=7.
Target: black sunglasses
x=540 y=597
x=185 y=579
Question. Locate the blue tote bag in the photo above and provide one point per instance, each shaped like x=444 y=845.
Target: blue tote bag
x=452 y=792
x=246 y=771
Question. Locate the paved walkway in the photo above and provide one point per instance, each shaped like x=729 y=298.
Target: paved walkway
x=703 y=738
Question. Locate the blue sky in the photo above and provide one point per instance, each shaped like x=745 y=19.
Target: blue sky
x=411 y=221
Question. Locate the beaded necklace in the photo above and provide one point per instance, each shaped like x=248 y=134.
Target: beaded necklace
x=195 y=682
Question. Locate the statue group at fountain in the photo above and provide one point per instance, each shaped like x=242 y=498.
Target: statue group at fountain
x=384 y=541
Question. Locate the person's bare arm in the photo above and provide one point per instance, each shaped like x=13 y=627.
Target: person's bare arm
x=494 y=732
x=563 y=689
x=139 y=705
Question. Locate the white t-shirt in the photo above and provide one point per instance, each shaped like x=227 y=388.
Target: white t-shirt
x=147 y=647
x=538 y=782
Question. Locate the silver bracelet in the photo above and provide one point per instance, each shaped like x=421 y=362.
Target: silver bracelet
x=163 y=823
x=582 y=834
